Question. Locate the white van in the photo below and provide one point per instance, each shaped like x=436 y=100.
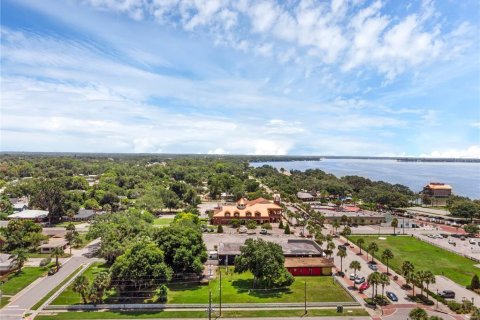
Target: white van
x=472 y=241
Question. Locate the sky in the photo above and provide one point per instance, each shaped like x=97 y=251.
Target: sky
x=366 y=78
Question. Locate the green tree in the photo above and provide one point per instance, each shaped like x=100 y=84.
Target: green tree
x=330 y=247
x=387 y=255
x=464 y=208
x=407 y=270
x=384 y=281
x=346 y=232
x=280 y=225
x=418 y=314
x=81 y=285
x=251 y=224
x=360 y=243
x=335 y=225
x=287 y=229
x=49 y=195
x=394 y=224
x=219 y=229
x=161 y=294
x=475 y=283
x=372 y=248
x=356 y=266
x=342 y=253
x=19 y=256
x=140 y=267
x=56 y=253
x=91 y=204
x=100 y=283
x=429 y=278
x=374 y=280
x=471 y=228
x=265 y=261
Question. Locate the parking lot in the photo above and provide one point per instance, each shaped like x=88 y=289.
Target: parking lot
x=451 y=243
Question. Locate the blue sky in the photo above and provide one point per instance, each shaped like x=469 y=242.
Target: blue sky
x=379 y=78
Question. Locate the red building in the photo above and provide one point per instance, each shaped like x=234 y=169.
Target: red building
x=309 y=266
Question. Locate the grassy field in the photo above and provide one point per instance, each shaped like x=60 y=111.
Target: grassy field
x=425 y=257
x=236 y=288
x=162 y=221
x=70 y=297
x=17 y=281
x=201 y=314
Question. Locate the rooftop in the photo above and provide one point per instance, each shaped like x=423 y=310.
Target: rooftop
x=54 y=243
x=293 y=247
x=29 y=214
x=438 y=186
x=298 y=262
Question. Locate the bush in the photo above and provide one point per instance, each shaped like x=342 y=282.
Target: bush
x=161 y=294
x=219 y=229
x=235 y=223
x=287 y=229
x=267 y=226
x=475 y=284
x=281 y=226
x=45 y=262
x=251 y=224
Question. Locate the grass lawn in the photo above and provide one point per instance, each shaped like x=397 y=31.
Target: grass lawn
x=237 y=288
x=200 y=314
x=70 y=297
x=42 y=301
x=17 y=281
x=162 y=221
x=425 y=257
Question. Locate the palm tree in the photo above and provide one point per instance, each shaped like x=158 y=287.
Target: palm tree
x=342 y=253
x=356 y=266
x=420 y=280
x=330 y=247
x=346 y=232
x=413 y=278
x=360 y=243
x=418 y=314
x=429 y=279
x=384 y=281
x=394 y=224
x=372 y=248
x=319 y=238
x=19 y=257
x=387 y=254
x=344 y=218
x=335 y=225
x=407 y=269
x=81 y=285
x=57 y=252
x=374 y=280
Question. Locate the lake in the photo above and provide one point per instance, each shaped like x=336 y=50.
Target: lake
x=463 y=177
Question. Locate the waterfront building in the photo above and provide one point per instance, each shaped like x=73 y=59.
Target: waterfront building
x=260 y=210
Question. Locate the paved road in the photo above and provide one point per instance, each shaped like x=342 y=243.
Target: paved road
x=461 y=293
x=28 y=298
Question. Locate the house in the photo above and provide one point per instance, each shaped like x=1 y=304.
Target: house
x=309 y=266
x=19 y=204
x=437 y=189
x=52 y=244
x=84 y=215
x=305 y=196
x=6 y=263
x=361 y=217
x=35 y=215
x=260 y=210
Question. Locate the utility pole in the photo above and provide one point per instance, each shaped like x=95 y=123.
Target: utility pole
x=220 y=273
x=305 y=294
x=210 y=304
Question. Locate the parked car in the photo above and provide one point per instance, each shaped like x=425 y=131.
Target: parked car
x=472 y=241
x=53 y=270
x=373 y=266
x=352 y=276
x=450 y=241
x=243 y=229
x=341 y=274
x=447 y=294
x=360 y=280
x=263 y=231
x=462 y=238
x=364 y=287
x=392 y=296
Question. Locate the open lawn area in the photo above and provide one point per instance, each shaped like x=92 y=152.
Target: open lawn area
x=236 y=288
x=17 y=281
x=425 y=257
x=162 y=221
x=201 y=314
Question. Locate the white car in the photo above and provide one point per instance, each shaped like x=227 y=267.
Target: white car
x=242 y=229
x=472 y=241
x=450 y=241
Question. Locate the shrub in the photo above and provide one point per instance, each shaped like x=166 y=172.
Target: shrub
x=281 y=226
x=219 y=229
x=161 y=294
x=45 y=262
x=267 y=226
x=251 y=224
x=287 y=229
x=235 y=223
x=475 y=284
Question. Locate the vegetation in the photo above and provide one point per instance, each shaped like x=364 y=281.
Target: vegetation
x=449 y=264
x=19 y=280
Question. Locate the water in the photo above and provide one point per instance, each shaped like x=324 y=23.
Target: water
x=463 y=177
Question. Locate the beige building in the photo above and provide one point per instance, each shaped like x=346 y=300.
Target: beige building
x=260 y=210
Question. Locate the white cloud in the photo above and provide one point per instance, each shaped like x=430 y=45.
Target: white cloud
x=470 y=152
x=217 y=151
x=271 y=147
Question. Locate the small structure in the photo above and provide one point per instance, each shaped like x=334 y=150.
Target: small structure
x=19 y=204
x=84 y=215
x=6 y=263
x=35 y=215
x=309 y=266
x=362 y=217
x=260 y=210
x=52 y=244
x=305 y=196
x=437 y=189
